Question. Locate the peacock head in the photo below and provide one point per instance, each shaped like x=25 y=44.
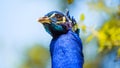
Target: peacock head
x=57 y=23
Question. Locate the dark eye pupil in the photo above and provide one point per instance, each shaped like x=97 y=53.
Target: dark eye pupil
x=58 y=16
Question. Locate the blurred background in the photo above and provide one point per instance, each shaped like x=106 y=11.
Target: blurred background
x=25 y=44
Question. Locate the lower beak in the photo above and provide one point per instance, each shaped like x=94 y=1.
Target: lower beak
x=44 y=20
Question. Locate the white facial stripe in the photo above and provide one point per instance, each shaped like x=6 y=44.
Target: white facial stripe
x=64 y=19
x=58 y=22
x=52 y=15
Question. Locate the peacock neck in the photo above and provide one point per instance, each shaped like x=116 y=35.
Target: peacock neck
x=57 y=34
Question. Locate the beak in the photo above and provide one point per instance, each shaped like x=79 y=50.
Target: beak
x=44 y=20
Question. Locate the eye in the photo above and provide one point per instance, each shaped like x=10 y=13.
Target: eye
x=59 y=17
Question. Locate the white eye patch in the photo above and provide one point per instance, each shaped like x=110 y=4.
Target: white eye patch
x=58 y=22
x=63 y=20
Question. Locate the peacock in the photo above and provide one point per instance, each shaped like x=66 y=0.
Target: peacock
x=66 y=45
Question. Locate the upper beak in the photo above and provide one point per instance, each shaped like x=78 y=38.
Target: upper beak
x=44 y=20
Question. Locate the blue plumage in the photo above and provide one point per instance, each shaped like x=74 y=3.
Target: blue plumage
x=66 y=46
x=66 y=51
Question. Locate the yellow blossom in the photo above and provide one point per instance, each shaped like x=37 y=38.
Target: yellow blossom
x=82 y=17
x=70 y=1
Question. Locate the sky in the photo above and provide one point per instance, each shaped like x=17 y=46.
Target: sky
x=19 y=28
